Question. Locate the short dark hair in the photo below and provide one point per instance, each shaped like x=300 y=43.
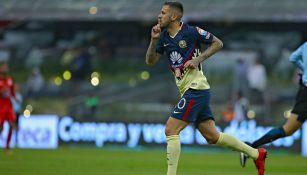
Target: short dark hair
x=175 y=5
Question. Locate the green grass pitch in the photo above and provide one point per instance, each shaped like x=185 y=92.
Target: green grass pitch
x=95 y=161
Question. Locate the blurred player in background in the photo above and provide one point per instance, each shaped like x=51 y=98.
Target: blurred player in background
x=6 y=108
x=299 y=112
x=181 y=43
x=17 y=106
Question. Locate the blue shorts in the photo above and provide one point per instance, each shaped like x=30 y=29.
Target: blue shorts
x=300 y=107
x=194 y=106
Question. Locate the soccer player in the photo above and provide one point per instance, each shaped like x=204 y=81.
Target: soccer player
x=299 y=112
x=6 y=108
x=181 y=43
x=17 y=106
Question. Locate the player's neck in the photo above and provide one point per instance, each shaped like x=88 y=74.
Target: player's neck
x=174 y=28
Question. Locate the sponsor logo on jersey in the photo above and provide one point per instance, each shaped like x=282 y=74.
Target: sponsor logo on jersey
x=176 y=57
x=182 y=44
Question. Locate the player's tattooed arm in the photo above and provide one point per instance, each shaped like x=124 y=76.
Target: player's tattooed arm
x=214 y=47
x=151 y=55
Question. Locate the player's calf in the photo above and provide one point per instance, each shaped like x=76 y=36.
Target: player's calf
x=244 y=157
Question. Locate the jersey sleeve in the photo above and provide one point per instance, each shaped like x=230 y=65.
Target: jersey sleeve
x=159 y=47
x=296 y=57
x=202 y=35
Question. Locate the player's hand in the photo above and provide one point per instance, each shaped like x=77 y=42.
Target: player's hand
x=178 y=73
x=156 y=31
x=193 y=64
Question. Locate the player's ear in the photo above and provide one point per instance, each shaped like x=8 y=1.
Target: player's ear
x=174 y=16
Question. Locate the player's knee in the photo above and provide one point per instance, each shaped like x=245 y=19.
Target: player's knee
x=170 y=131
x=289 y=132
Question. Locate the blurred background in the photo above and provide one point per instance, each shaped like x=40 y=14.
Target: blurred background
x=86 y=58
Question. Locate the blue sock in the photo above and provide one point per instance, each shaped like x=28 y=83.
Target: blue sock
x=269 y=137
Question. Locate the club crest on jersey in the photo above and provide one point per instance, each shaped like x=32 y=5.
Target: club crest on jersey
x=176 y=57
x=182 y=44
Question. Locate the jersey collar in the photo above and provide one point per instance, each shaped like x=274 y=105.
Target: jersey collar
x=181 y=24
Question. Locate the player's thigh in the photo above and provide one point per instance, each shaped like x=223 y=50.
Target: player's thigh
x=174 y=126
x=292 y=124
x=208 y=130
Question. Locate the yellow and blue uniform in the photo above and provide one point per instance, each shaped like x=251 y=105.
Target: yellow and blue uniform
x=193 y=85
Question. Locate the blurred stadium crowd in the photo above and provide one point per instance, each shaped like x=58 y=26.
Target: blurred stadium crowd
x=85 y=59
